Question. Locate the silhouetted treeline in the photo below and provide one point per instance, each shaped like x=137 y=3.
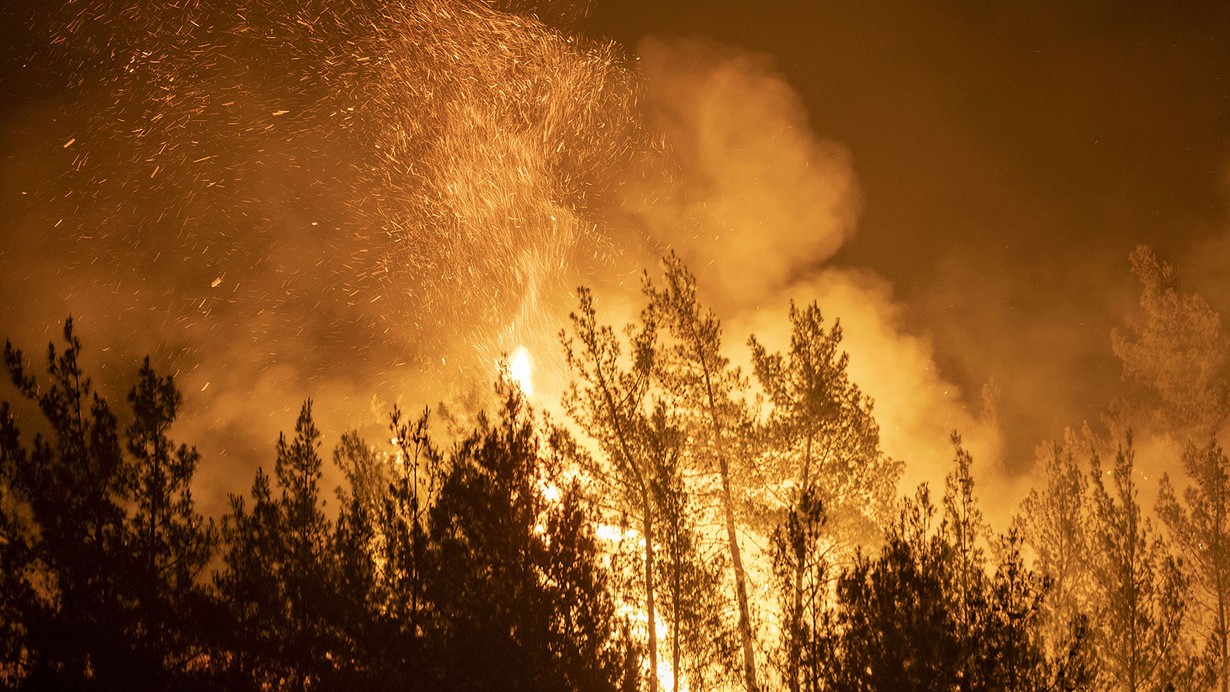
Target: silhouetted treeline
x=703 y=529
x=441 y=571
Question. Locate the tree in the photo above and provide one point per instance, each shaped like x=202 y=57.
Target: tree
x=394 y=495
x=690 y=573
x=801 y=579
x=826 y=445
x=894 y=626
x=521 y=601
x=73 y=486
x=1201 y=528
x=101 y=541
x=610 y=401
x=1140 y=607
x=706 y=391
x=1176 y=348
x=368 y=659
x=1054 y=521
x=281 y=575
x=926 y=615
x=168 y=542
x=965 y=531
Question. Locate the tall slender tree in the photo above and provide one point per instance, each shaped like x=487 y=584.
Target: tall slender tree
x=281 y=574
x=1139 y=585
x=610 y=398
x=707 y=392
x=1200 y=525
x=168 y=542
x=824 y=445
x=1054 y=521
x=690 y=572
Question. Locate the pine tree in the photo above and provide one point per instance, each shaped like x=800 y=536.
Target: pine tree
x=895 y=627
x=706 y=392
x=611 y=402
x=168 y=542
x=690 y=573
x=964 y=531
x=1054 y=521
x=1176 y=348
x=1140 y=607
x=825 y=446
x=800 y=573
x=102 y=548
x=364 y=661
x=521 y=601
x=925 y=614
x=1201 y=528
x=281 y=575
x=249 y=646
x=71 y=487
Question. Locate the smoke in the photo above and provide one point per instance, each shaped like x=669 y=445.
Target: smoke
x=367 y=206
x=757 y=204
x=756 y=199
x=916 y=406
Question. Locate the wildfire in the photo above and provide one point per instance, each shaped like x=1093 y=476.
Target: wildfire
x=521 y=370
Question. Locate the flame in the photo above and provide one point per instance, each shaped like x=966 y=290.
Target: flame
x=521 y=370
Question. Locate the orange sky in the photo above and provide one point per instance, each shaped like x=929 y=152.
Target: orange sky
x=966 y=181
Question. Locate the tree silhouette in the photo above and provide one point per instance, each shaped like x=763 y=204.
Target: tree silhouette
x=611 y=402
x=705 y=391
x=925 y=614
x=102 y=549
x=1201 y=528
x=168 y=543
x=1055 y=522
x=824 y=445
x=1140 y=606
x=1176 y=347
x=281 y=576
x=519 y=599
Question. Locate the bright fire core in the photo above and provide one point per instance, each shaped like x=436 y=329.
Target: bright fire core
x=521 y=369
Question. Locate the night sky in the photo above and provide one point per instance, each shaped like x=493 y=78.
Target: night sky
x=224 y=188
x=1010 y=157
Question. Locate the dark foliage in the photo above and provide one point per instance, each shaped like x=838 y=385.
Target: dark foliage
x=925 y=614
x=103 y=545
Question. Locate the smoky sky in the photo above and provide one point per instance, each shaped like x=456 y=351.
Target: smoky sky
x=1010 y=157
x=367 y=204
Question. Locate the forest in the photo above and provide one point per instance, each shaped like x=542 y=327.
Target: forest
x=691 y=525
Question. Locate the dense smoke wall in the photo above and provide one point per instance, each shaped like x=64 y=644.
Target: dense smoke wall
x=369 y=204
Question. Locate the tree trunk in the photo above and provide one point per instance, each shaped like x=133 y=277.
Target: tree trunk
x=736 y=563
x=732 y=538
x=651 y=622
x=677 y=594
x=796 y=614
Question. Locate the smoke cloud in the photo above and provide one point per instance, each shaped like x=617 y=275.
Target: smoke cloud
x=369 y=206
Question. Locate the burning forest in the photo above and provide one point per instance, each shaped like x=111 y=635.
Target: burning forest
x=478 y=344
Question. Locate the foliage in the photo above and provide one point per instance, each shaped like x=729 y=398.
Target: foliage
x=707 y=393
x=480 y=566
x=925 y=614
x=1055 y=522
x=1201 y=528
x=1176 y=347
x=1139 y=605
x=102 y=542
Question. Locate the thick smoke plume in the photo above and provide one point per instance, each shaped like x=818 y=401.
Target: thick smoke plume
x=369 y=203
